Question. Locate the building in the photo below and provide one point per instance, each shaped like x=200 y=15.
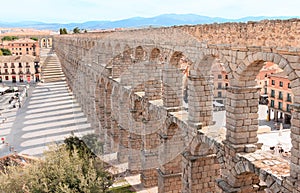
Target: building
x=280 y=98
x=262 y=80
x=19 y=69
x=220 y=79
x=23 y=46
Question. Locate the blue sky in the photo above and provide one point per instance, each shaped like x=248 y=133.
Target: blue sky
x=65 y=11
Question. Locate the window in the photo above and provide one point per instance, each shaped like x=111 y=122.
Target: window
x=273 y=82
x=219 y=84
x=266 y=91
x=288 y=97
x=266 y=83
x=280 y=105
x=12 y=65
x=280 y=95
x=280 y=83
x=20 y=65
x=288 y=107
x=6 y=71
x=219 y=94
x=226 y=85
x=6 y=77
x=273 y=93
x=13 y=71
x=272 y=103
x=219 y=76
x=289 y=85
x=226 y=77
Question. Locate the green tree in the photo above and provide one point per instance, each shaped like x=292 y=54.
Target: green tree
x=76 y=30
x=61 y=170
x=5 y=52
x=65 y=31
x=9 y=38
x=34 y=38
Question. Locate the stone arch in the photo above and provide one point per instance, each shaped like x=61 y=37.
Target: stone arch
x=200 y=90
x=43 y=43
x=49 y=42
x=175 y=59
x=155 y=54
x=140 y=54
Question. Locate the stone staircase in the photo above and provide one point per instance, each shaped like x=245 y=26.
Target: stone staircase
x=45 y=52
x=51 y=70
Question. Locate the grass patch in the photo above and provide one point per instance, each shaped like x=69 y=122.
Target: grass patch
x=122 y=189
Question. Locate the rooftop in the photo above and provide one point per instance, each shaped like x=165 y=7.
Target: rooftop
x=23 y=58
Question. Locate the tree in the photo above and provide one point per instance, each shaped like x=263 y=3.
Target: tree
x=5 y=52
x=76 y=30
x=61 y=170
x=9 y=38
x=1 y=54
x=34 y=38
x=63 y=31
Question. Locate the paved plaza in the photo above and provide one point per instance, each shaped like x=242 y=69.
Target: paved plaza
x=48 y=115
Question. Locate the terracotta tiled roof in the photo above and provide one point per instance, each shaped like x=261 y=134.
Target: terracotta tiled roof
x=19 y=41
x=279 y=74
x=23 y=58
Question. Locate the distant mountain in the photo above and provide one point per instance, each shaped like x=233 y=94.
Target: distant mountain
x=136 y=22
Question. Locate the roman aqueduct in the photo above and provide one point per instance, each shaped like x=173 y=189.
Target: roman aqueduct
x=130 y=85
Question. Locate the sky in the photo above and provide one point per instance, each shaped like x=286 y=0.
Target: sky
x=68 y=11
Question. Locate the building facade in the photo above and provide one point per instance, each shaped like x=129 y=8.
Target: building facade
x=280 y=98
x=15 y=69
x=262 y=80
x=21 y=47
x=220 y=79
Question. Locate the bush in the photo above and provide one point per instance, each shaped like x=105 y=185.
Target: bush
x=5 y=52
x=61 y=170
